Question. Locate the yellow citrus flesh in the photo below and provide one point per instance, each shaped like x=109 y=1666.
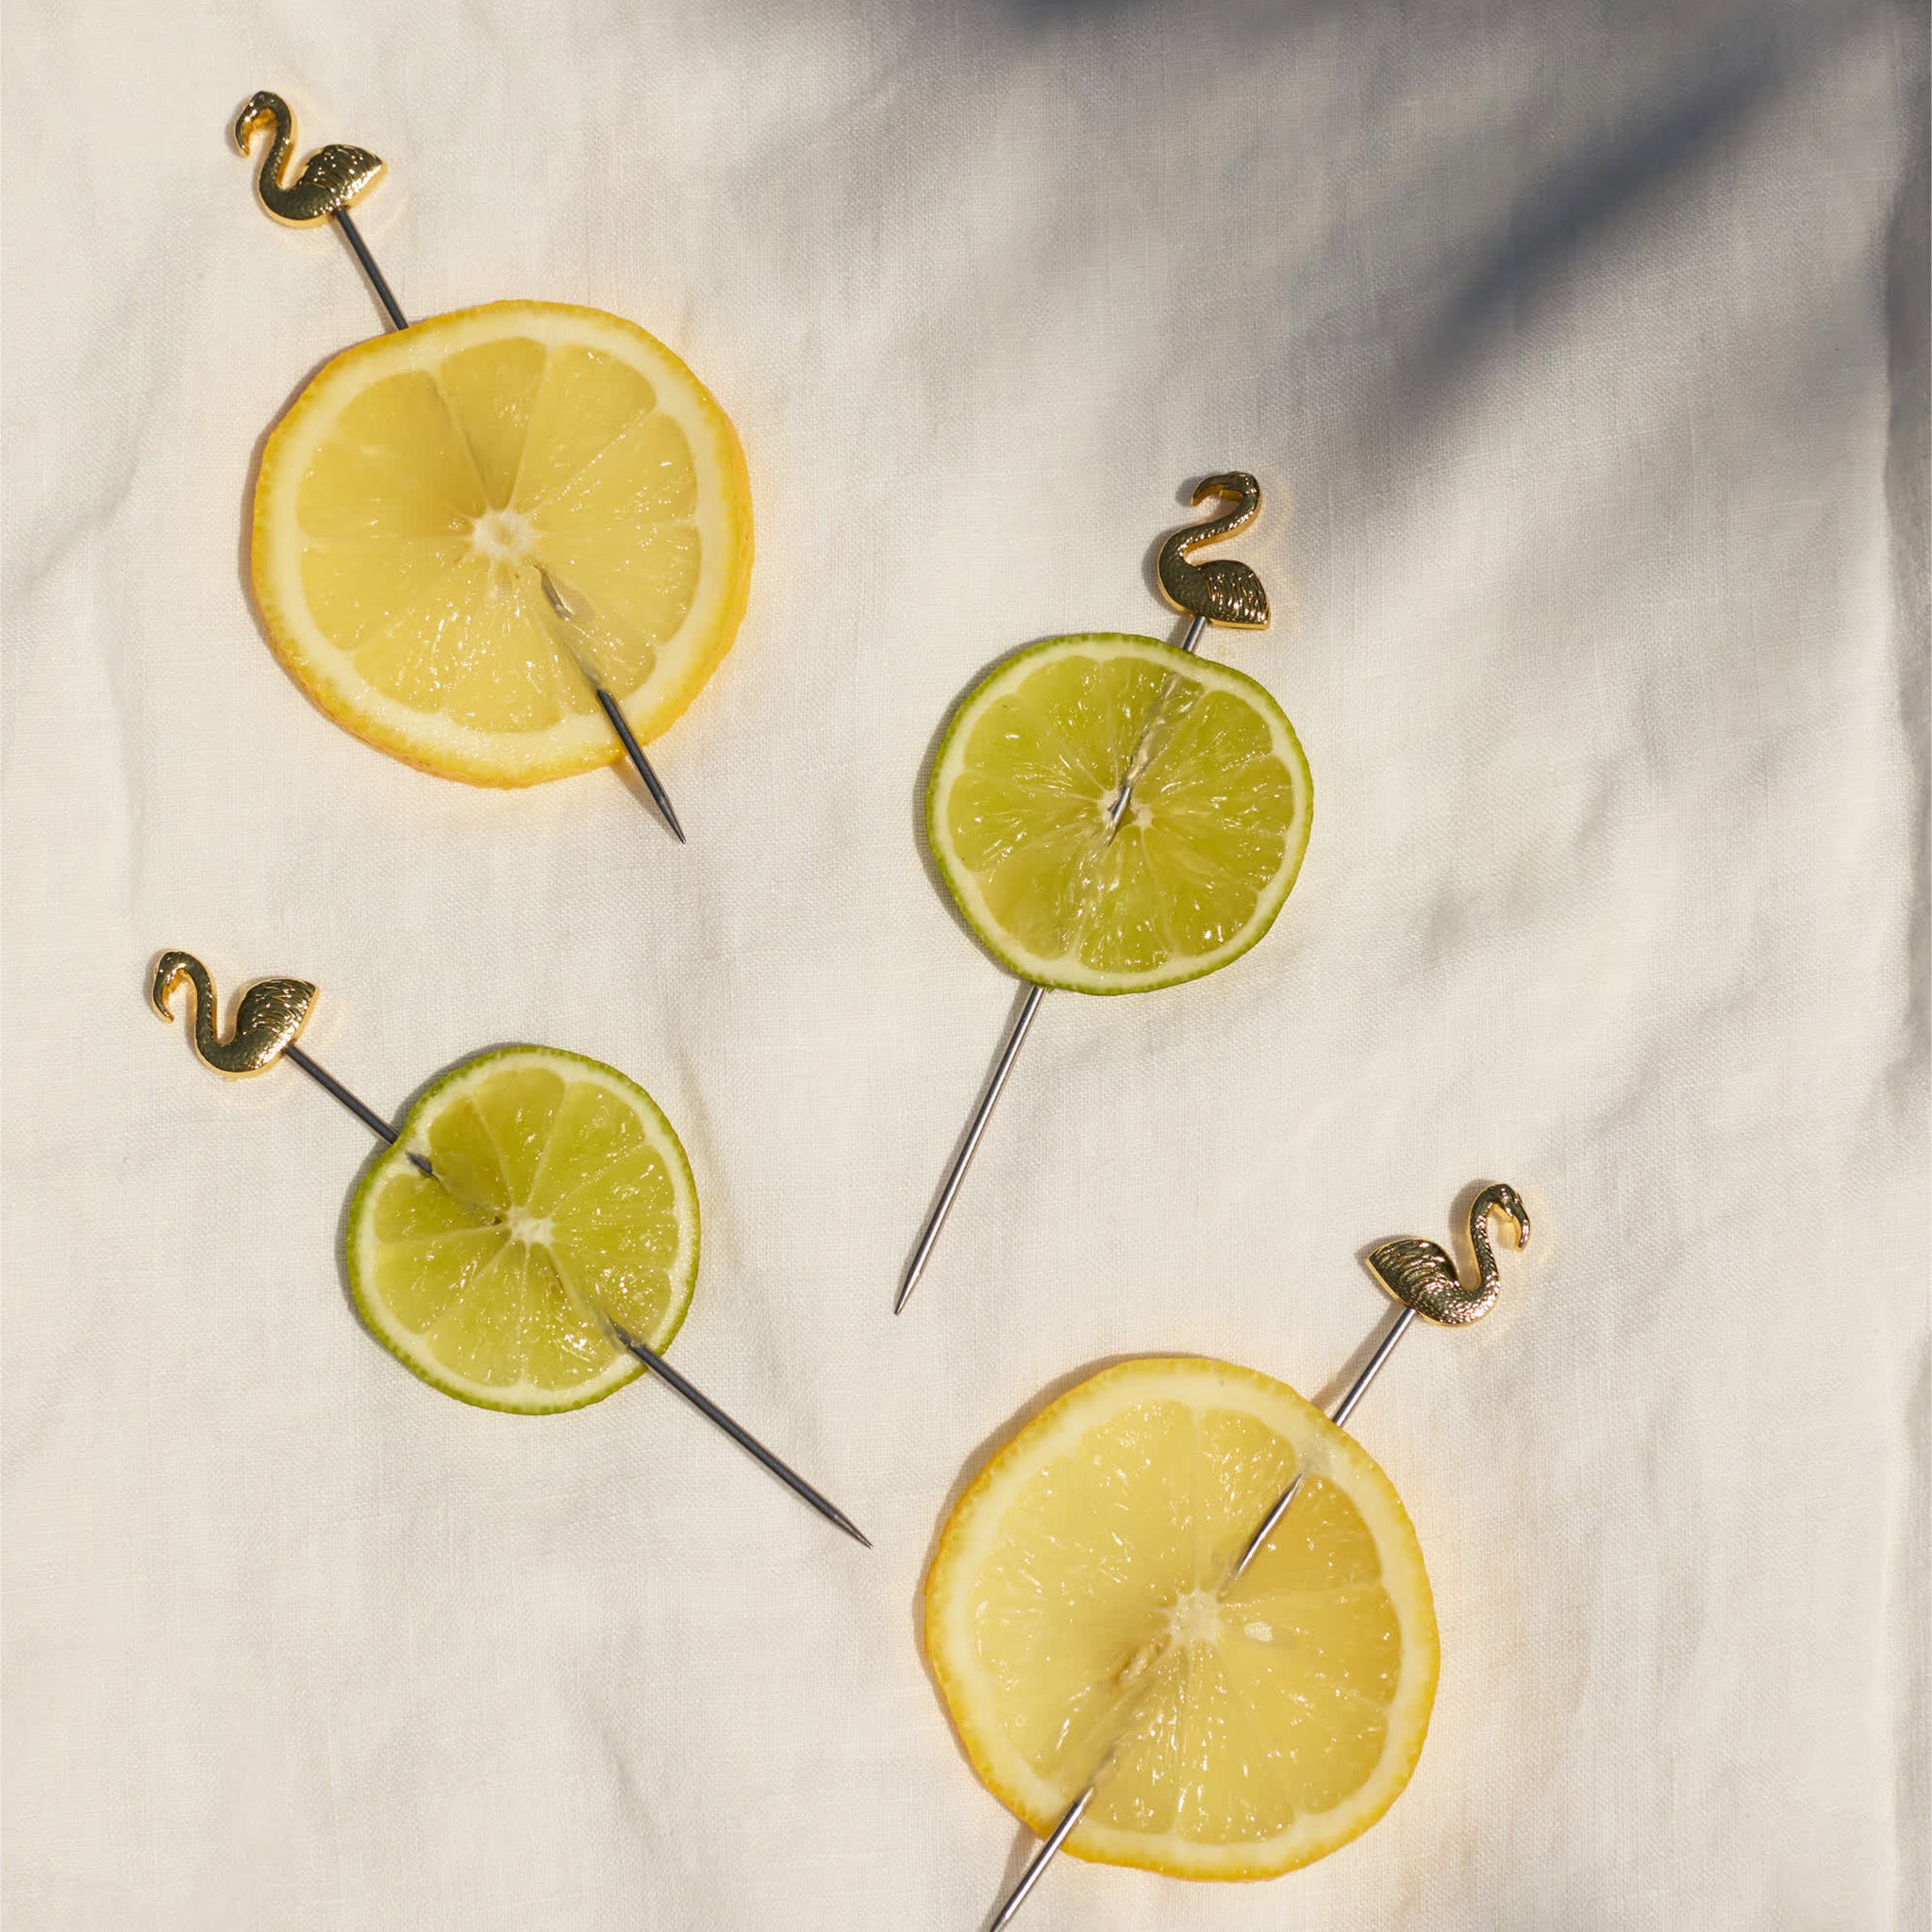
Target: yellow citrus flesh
x=410 y=496
x=1066 y=889
x=1080 y=1603
x=561 y=1197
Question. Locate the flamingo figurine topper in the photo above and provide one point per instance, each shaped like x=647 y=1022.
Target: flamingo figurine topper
x=333 y=177
x=1222 y=591
x=1420 y=1275
x=267 y=1016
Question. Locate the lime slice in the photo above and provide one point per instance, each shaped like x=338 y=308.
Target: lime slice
x=1023 y=796
x=560 y=1191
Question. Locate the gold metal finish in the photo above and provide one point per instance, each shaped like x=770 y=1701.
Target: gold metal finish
x=333 y=179
x=1222 y=591
x=267 y=1016
x=1423 y=1276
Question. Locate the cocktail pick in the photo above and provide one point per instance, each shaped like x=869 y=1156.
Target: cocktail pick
x=269 y=1017
x=1423 y=1278
x=332 y=180
x=1223 y=592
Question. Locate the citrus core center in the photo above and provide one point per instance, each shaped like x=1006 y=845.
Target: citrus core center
x=1197 y=1618
x=533 y=1230
x=502 y=534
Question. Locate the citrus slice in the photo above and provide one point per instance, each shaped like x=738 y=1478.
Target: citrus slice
x=410 y=496
x=1021 y=813
x=1079 y=1603
x=561 y=1196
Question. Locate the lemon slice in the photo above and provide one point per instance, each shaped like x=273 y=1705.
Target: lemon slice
x=560 y=1191
x=409 y=497
x=1021 y=809
x=1079 y=1600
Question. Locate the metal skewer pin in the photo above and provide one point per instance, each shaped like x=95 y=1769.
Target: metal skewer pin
x=332 y=180
x=1423 y=1278
x=269 y=1015
x=1223 y=592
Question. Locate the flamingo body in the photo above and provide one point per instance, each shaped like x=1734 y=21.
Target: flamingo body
x=1222 y=591
x=1422 y=1274
x=267 y=1016
x=331 y=179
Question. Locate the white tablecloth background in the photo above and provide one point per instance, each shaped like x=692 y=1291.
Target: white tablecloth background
x=1590 y=356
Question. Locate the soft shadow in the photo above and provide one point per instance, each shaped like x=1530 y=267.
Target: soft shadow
x=1908 y=467
x=1608 y=182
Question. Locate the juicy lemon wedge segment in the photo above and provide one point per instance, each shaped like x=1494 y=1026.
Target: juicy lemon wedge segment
x=1021 y=813
x=412 y=496
x=560 y=1191
x=1078 y=1604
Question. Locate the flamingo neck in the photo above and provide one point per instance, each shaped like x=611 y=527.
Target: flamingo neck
x=1485 y=1253
x=279 y=145
x=203 y=989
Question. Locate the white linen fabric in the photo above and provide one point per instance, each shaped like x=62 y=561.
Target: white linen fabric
x=1581 y=351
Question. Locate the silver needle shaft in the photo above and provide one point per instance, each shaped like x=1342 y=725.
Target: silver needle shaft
x=649 y=1356
x=935 y=1220
x=353 y=235
x=1339 y=1415
x=574 y=618
x=982 y=1113
x=742 y=1436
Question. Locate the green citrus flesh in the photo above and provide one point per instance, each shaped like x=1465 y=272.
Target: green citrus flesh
x=562 y=1202
x=1022 y=807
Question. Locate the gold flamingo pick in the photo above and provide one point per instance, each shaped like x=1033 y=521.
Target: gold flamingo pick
x=1223 y=592
x=332 y=180
x=269 y=1015
x=1422 y=1280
